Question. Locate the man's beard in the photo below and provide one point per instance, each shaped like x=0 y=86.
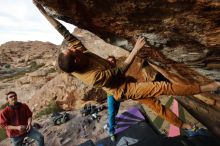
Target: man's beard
x=16 y=105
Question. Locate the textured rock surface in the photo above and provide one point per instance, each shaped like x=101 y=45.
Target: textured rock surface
x=185 y=30
x=18 y=60
x=127 y=18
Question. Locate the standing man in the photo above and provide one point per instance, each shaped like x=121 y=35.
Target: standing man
x=113 y=106
x=16 y=118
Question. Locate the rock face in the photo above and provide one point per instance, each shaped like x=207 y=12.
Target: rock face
x=189 y=27
x=17 y=54
x=128 y=18
x=19 y=61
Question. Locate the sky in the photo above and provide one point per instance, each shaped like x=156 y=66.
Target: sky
x=20 y=20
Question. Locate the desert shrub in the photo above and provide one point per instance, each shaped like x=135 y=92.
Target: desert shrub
x=3 y=106
x=51 y=108
x=7 y=65
x=51 y=70
x=34 y=66
x=2 y=131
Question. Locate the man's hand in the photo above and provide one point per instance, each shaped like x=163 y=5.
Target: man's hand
x=139 y=44
x=28 y=128
x=21 y=128
x=71 y=48
x=74 y=46
x=29 y=124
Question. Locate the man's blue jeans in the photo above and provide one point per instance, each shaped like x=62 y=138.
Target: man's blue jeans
x=113 y=107
x=34 y=134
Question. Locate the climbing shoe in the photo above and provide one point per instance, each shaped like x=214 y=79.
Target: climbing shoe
x=112 y=137
x=196 y=131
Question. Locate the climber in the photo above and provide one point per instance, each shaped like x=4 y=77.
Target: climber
x=96 y=71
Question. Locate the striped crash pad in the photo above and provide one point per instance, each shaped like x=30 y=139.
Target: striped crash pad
x=128 y=118
x=131 y=129
x=134 y=130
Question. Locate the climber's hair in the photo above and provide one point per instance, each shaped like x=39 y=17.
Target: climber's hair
x=66 y=62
